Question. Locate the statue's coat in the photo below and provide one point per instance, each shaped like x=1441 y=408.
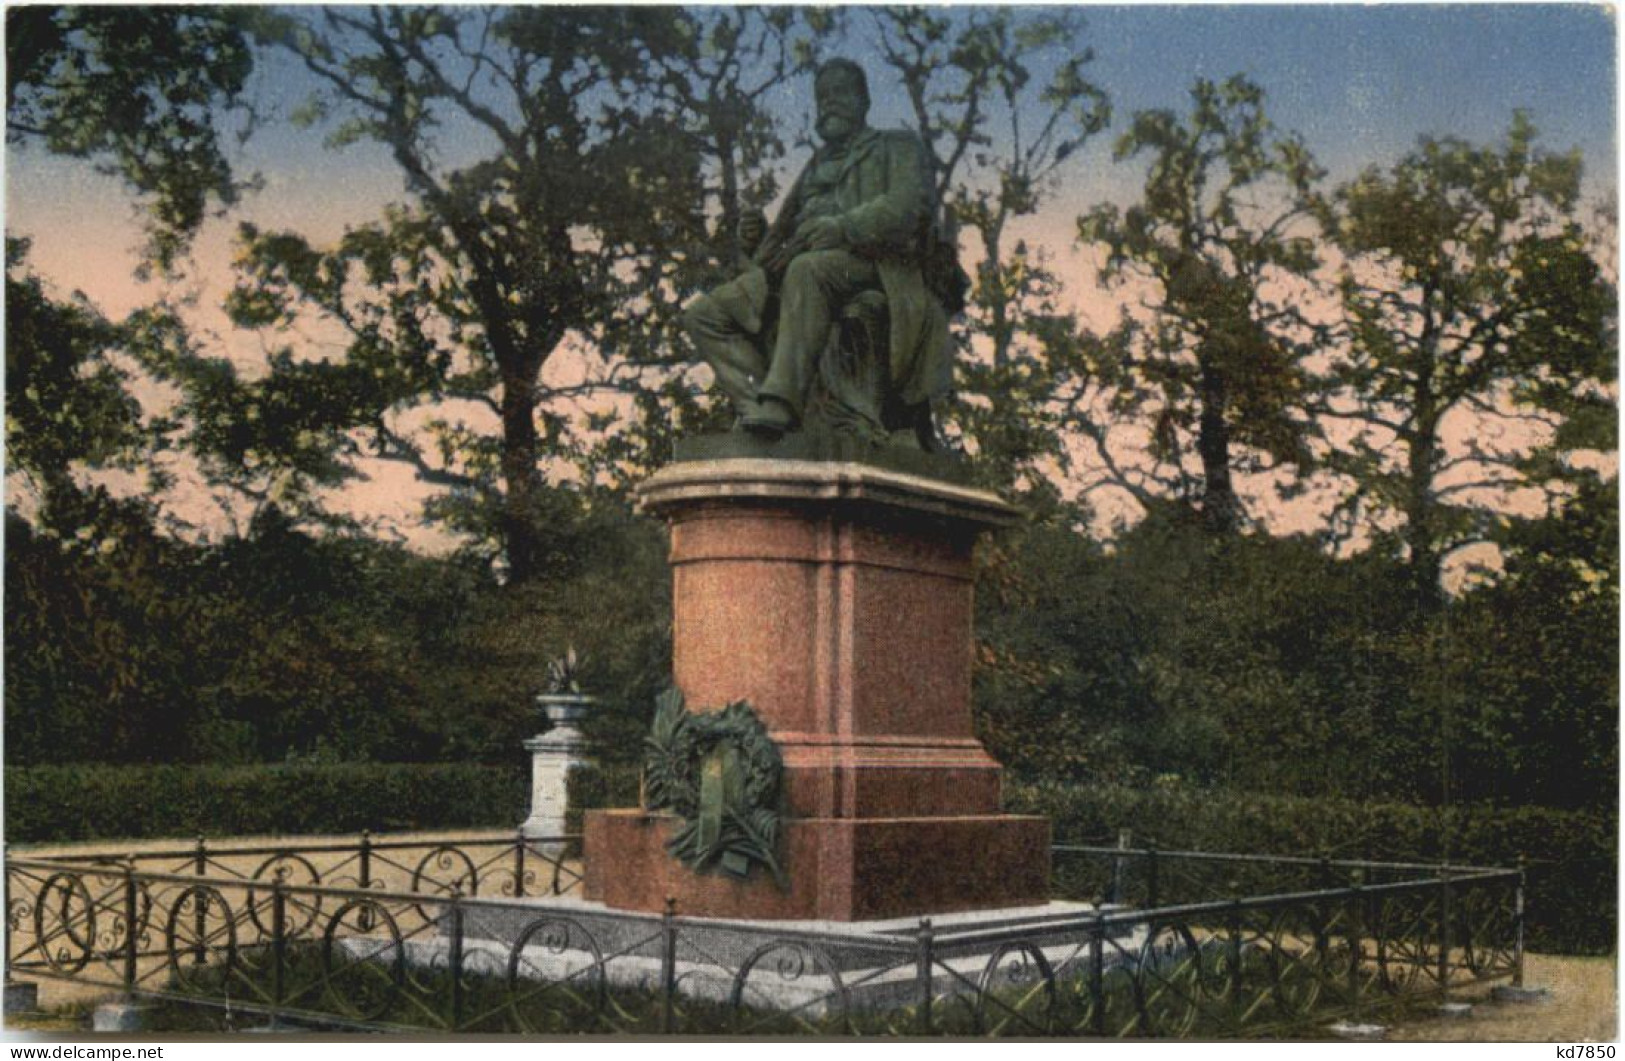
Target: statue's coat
x=888 y=216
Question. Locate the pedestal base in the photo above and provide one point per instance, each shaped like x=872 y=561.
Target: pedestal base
x=812 y=970
x=838 y=869
x=835 y=596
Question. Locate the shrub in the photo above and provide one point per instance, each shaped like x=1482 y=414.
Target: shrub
x=1571 y=855
x=595 y=786
x=94 y=802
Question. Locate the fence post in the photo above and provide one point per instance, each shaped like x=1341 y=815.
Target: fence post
x=5 y=900
x=519 y=864
x=1151 y=878
x=924 y=959
x=668 y=966
x=1444 y=933
x=279 y=946
x=1356 y=938
x=132 y=946
x=455 y=960
x=1234 y=887
x=1097 y=972
x=366 y=859
x=200 y=922
x=1518 y=924
x=1124 y=838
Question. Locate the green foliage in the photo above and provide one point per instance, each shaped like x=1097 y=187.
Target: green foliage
x=145 y=91
x=594 y=786
x=1536 y=657
x=1470 y=290
x=1217 y=375
x=67 y=401
x=1571 y=855
x=970 y=82
x=1265 y=664
x=51 y=804
x=562 y=237
x=133 y=647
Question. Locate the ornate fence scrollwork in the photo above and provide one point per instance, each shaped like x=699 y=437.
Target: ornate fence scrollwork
x=1488 y=931
x=1298 y=949
x=1406 y=940
x=443 y=872
x=258 y=930
x=65 y=922
x=556 y=978
x=804 y=984
x=200 y=937
x=303 y=909
x=363 y=960
x=1017 y=992
x=1171 y=980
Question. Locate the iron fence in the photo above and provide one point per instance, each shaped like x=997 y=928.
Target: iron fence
x=488 y=936
x=511 y=866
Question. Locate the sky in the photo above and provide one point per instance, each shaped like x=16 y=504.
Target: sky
x=1360 y=84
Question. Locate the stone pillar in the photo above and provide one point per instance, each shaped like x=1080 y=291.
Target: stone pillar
x=122 y=1017
x=22 y=996
x=552 y=756
x=835 y=597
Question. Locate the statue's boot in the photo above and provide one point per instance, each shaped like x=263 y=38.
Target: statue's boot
x=770 y=418
x=749 y=409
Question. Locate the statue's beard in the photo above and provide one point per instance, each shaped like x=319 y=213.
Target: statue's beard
x=836 y=127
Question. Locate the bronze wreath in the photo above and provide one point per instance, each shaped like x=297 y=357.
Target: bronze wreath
x=720 y=773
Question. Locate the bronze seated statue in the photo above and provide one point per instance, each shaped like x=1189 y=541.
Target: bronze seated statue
x=838 y=321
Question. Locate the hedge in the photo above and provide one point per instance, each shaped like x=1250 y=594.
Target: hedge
x=1571 y=856
x=94 y=802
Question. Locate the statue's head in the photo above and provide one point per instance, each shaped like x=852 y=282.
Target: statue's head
x=842 y=94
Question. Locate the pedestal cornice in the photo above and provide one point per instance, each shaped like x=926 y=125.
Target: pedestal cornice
x=778 y=480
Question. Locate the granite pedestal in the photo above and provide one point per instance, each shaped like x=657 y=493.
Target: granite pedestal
x=836 y=598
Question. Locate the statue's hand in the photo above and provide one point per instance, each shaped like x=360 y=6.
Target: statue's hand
x=820 y=234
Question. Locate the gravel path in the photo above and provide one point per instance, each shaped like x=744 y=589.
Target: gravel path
x=1583 y=1007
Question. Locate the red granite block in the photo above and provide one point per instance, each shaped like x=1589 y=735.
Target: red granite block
x=837 y=600
x=838 y=869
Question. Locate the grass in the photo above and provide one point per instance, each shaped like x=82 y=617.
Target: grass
x=1583 y=1008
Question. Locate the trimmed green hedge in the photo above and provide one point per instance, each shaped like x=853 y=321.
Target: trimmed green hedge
x=92 y=802
x=593 y=786
x=1571 y=856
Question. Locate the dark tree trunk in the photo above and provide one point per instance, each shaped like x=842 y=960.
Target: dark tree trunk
x=1221 y=513
x=520 y=451
x=1421 y=535
x=1425 y=560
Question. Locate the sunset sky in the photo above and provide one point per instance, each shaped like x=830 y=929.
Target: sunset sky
x=1359 y=83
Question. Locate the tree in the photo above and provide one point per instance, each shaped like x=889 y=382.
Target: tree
x=146 y=92
x=68 y=409
x=1218 y=244
x=1546 y=663
x=519 y=288
x=1479 y=341
x=1001 y=137
x=743 y=57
